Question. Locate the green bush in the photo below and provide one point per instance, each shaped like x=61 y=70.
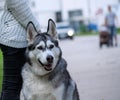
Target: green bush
x=118 y=30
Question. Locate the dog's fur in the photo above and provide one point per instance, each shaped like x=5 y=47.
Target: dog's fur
x=45 y=76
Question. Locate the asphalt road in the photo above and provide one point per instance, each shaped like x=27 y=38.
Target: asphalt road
x=96 y=71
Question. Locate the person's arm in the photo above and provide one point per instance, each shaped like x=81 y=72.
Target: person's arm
x=106 y=23
x=22 y=12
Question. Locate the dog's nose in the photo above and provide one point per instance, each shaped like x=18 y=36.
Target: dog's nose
x=50 y=58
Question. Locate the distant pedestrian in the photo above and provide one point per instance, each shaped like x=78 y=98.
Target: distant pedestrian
x=110 y=23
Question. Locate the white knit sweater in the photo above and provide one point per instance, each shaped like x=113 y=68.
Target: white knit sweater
x=14 y=17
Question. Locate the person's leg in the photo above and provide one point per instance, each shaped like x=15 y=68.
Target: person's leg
x=13 y=60
x=115 y=35
x=111 y=35
x=116 y=40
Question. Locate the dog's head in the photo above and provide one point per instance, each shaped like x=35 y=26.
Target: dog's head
x=43 y=52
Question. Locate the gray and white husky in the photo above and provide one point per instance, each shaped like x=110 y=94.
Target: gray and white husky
x=44 y=74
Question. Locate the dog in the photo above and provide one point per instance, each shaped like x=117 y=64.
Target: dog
x=45 y=75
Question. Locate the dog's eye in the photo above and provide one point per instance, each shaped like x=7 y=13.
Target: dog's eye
x=40 y=48
x=51 y=46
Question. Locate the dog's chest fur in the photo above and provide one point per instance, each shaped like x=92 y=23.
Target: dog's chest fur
x=39 y=88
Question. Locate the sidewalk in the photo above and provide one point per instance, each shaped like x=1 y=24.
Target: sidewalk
x=96 y=71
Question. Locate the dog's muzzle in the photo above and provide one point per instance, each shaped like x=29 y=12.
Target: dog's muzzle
x=48 y=66
x=50 y=59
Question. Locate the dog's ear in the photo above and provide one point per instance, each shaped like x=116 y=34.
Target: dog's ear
x=52 y=29
x=31 y=32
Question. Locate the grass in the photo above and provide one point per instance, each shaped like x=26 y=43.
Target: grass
x=1 y=69
x=88 y=33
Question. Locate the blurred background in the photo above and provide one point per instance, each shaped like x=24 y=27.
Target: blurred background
x=83 y=16
x=96 y=70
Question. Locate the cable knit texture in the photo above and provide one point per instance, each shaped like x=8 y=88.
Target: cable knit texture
x=14 y=17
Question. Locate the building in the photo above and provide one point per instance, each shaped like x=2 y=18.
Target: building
x=73 y=11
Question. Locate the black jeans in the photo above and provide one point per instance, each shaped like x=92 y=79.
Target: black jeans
x=13 y=60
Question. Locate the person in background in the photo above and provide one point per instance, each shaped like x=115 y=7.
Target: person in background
x=14 y=17
x=110 y=23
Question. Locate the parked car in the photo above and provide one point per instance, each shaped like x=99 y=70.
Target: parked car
x=65 y=31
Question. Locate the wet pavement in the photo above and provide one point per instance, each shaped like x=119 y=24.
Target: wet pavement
x=96 y=71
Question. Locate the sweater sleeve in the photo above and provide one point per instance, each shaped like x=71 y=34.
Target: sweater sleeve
x=21 y=11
